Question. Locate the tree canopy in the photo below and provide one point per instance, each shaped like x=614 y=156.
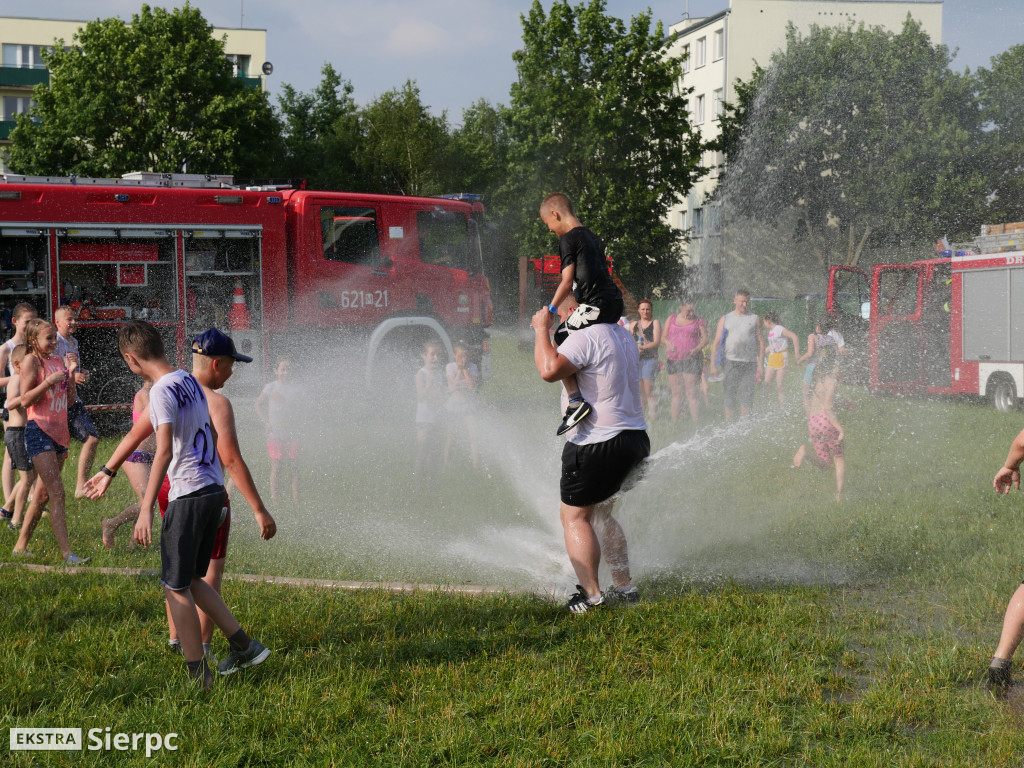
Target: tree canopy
x=153 y=94
x=598 y=113
x=867 y=134
x=1001 y=93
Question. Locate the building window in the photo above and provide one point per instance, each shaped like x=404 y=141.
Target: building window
x=698 y=223
x=698 y=109
x=23 y=56
x=700 y=53
x=686 y=59
x=15 y=105
x=708 y=160
x=718 y=45
x=717 y=100
x=239 y=64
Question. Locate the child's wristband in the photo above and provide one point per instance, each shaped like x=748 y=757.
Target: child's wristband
x=552 y=309
x=106 y=471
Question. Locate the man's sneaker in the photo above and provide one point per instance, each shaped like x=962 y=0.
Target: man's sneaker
x=581 y=602
x=74 y=559
x=627 y=595
x=574 y=414
x=255 y=654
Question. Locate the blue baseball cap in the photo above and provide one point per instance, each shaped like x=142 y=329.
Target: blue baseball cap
x=214 y=343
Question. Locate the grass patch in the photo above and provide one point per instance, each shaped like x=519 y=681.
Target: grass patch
x=780 y=629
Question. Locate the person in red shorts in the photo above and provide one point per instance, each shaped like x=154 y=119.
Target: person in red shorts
x=825 y=430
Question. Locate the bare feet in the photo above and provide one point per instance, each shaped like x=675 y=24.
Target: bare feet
x=108 y=533
x=798 y=458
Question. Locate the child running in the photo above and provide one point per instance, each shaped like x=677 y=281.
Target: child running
x=430 y=389
x=186 y=451
x=776 y=353
x=136 y=467
x=279 y=407
x=47 y=384
x=14 y=440
x=585 y=276
x=20 y=315
x=462 y=378
x=825 y=429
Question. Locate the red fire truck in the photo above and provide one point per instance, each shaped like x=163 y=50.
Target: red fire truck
x=282 y=270
x=952 y=325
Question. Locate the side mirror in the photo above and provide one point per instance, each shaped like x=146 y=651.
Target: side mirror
x=865 y=310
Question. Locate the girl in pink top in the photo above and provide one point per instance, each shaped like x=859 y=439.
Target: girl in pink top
x=47 y=385
x=686 y=335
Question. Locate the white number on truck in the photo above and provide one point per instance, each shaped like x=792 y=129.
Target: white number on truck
x=363 y=299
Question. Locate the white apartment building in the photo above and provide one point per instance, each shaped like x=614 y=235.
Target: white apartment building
x=725 y=47
x=22 y=41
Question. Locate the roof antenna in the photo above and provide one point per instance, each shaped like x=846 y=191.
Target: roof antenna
x=686 y=13
x=241 y=14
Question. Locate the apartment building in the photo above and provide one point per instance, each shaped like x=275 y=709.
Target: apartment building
x=22 y=41
x=727 y=46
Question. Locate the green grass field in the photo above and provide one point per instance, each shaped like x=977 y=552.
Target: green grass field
x=779 y=628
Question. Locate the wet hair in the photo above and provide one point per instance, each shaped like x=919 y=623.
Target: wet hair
x=63 y=309
x=18 y=353
x=825 y=364
x=826 y=322
x=21 y=308
x=560 y=201
x=742 y=292
x=645 y=301
x=32 y=330
x=139 y=338
x=771 y=316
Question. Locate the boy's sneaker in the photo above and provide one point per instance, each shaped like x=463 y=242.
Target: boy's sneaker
x=581 y=602
x=628 y=595
x=574 y=414
x=255 y=654
x=74 y=559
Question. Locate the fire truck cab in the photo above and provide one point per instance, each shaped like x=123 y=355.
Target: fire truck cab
x=279 y=269
x=952 y=325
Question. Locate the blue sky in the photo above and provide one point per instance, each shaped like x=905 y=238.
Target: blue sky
x=458 y=51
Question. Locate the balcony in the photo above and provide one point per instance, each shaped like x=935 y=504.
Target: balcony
x=252 y=82
x=6 y=126
x=22 y=77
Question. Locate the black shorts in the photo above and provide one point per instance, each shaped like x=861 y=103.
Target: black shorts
x=14 y=440
x=79 y=424
x=594 y=473
x=693 y=365
x=187 y=536
x=609 y=313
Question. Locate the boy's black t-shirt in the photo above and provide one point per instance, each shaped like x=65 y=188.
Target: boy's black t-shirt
x=591 y=284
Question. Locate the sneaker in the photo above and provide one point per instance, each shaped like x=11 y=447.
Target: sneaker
x=74 y=559
x=581 y=602
x=175 y=648
x=999 y=678
x=255 y=654
x=627 y=595
x=574 y=414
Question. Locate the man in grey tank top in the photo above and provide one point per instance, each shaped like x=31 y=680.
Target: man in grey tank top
x=744 y=350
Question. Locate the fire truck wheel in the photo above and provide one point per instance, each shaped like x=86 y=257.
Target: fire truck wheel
x=1004 y=394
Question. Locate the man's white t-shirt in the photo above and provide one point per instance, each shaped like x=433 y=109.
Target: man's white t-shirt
x=178 y=399
x=609 y=379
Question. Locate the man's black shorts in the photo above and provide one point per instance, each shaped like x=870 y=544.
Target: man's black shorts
x=187 y=536
x=594 y=473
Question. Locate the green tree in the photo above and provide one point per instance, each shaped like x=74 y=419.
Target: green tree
x=404 y=145
x=155 y=94
x=866 y=134
x=321 y=134
x=1001 y=92
x=477 y=156
x=597 y=112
